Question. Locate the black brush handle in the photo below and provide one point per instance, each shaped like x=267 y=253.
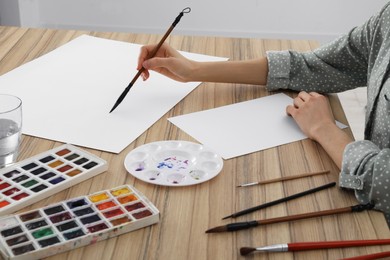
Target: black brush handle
x=275 y=202
x=241 y=225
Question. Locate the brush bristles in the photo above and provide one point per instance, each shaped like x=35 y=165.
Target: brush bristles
x=217 y=229
x=246 y=250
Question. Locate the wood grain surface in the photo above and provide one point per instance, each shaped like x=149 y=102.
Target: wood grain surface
x=187 y=212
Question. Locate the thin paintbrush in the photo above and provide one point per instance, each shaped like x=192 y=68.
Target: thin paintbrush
x=255 y=223
x=271 y=203
x=283 y=178
x=314 y=245
x=177 y=20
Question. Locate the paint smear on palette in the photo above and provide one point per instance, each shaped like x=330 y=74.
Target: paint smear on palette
x=152 y=175
x=174 y=163
x=141 y=167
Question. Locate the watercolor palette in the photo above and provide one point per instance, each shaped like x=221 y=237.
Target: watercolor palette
x=43 y=175
x=74 y=223
x=173 y=163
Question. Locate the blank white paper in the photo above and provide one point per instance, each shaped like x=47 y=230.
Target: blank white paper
x=67 y=94
x=244 y=127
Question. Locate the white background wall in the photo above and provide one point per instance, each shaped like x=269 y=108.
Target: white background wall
x=322 y=20
x=9 y=12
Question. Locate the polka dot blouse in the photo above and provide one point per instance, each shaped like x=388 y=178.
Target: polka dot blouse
x=359 y=58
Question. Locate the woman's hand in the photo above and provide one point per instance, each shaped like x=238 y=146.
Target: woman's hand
x=167 y=61
x=314 y=116
x=312 y=112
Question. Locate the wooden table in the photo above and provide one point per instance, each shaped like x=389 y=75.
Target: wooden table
x=187 y=212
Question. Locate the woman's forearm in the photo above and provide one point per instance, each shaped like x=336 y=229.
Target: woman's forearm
x=246 y=72
x=333 y=140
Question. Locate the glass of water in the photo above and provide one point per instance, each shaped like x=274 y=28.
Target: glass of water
x=10 y=128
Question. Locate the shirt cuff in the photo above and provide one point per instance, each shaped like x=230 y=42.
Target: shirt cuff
x=356 y=172
x=278 y=70
x=351 y=181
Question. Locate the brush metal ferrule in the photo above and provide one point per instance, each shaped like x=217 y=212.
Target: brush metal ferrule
x=273 y=248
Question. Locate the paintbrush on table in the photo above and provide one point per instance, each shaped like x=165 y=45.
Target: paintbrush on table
x=283 y=178
x=275 y=202
x=152 y=54
x=314 y=245
x=249 y=224
x=380 y=255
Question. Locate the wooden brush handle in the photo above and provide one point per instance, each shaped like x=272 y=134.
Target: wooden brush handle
x=305 y=215
x=335 y=244
x=292 y=177
x=380 y=255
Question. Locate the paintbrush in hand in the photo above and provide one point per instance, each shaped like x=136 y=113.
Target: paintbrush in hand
x=152 y=54
x=255 y=223
x=313 y=245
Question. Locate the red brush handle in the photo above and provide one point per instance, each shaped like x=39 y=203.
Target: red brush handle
x=335 y=244
x=369 y=257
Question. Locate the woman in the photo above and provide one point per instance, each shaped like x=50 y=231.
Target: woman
x=360 y=58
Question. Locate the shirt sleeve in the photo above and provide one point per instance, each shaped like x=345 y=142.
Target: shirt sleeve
x=337 y=66
x=366 y=170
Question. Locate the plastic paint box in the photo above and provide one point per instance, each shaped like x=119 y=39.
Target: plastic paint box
x=45 y=174
x=75 y=223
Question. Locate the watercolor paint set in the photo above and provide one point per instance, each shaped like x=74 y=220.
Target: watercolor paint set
x=43 y=175
x=75 y=223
